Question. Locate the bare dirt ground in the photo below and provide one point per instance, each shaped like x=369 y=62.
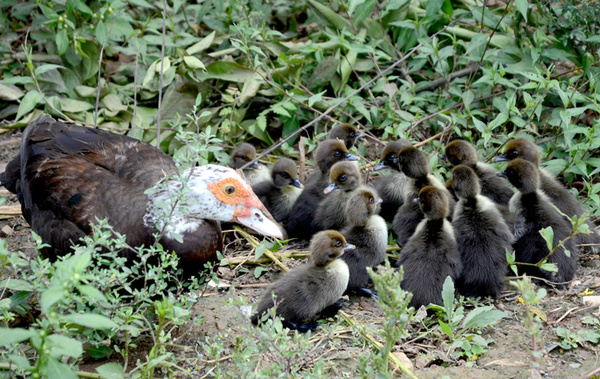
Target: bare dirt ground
x=509 y=355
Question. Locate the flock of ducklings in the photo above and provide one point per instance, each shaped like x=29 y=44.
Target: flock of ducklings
x=462 y=229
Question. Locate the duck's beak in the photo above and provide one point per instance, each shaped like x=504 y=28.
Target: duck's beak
x=296 y=183
x=330 y=188
x=351 y=157
x=349 y=247
x=380 y=166
x=500 y=158
x=261 y=223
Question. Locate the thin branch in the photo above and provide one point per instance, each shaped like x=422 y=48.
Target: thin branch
x=160 y=76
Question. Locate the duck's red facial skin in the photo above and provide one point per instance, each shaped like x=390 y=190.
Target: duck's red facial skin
x=237 y=194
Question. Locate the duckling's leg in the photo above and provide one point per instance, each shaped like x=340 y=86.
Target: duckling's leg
x=302 y=327
x=332 y=310
x=366 y=292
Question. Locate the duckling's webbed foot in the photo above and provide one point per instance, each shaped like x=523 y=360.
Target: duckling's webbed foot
x=332 y=310
x=302 y=327
x=366 y=292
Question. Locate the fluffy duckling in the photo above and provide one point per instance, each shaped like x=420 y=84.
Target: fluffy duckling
x=558 y=194
x=415 y=166
x=346 y=133
x=431 y=253
x=308 y=290
x=243 y=154
x=280 y=193
x=534 y=207
x=344 y=177
x=368 y=232
x=391 y=187
x=301 y=220
x=482 y=237
x=461 y=152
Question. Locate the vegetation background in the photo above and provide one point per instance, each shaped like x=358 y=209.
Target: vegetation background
x=220 y=72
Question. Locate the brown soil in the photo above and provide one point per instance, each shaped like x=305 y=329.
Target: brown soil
x=509 y=355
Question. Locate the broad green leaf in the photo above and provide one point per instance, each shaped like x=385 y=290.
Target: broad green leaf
x=551 y=267
x=522 y=6
x=28 y=103
x=446 y=329
x=193 y=62
x=363 y=11
x=113 y=103
x=74 y=106
x=9 y=92
x=98 y=352
x=433 y=7
x=468 y=98
x=315 y=98
x=58 y=370
x=63 y=346
x=91 y=292
x=101 y=32
x=62 y=41
x=9 y=336
x=110 y=371
x=45 y=68
x=250 y=88
x=91 y=320
x=331 y=16
x=548 y=235
x=482 y=316
x=448 y=297
x=50 y=297
x=17 y=80
x=202 y=45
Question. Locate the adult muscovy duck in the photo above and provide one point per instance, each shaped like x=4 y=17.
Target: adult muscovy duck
x=67 y=176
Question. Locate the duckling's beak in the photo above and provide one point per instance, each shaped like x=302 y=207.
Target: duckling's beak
x=443 y=157
x=380 y=166
x=351 y=157
x=360 y=135
x=502 y=174
x=296 y=183
x=378 y=201
x=330 y=187
x=261 y=223
x=416 y=200
x=255 y=166
x=349 y=247
x=500 y=158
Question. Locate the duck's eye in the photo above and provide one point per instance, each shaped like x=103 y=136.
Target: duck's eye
x=338 y=243
x=371 y=200
x=512 y=154
x=352 y=134
x=343 y=178
x=230 y=190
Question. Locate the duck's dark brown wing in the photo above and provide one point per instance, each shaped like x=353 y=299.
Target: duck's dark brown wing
x=67 y=176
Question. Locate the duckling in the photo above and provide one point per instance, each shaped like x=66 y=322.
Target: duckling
x=557 y=193
x=344 y=177
x=482 y=237
x=461 y=152
x=391 y=187
x=533 y=205
x=346 y=133
x=415 y=166
x=368 y=232
x=431 y=254
x=280 y=193
x=308 y=290
x=243 y=154
x=300 y=222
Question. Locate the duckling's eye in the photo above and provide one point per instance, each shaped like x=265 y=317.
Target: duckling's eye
x=230 y=190
x=371 y=200
x=392 y=157
x=285 y=175
x=352 y=134
x=343 y=178
x=244 y=158
x=512 y=154
x=338 y=243
x=337 y=154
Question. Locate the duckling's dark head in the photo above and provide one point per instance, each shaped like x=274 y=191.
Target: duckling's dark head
x=344 y=176
x=326 y=246
x=520 y=148
x=346 y=133
x=363 y=204
x=434 y=203
x=389 y=155
x=331 y=151
x=465 y=182
x=413 y=162
x=285 y=173
x=243 y=154
x=523 y=175
x=460 y=152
